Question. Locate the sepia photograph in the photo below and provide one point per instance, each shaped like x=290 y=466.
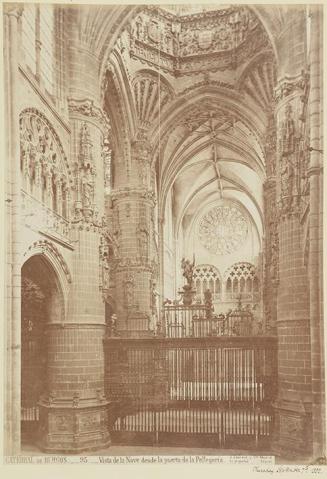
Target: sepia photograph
x=163 y=231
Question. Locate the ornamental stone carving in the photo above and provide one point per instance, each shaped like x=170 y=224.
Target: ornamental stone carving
x=136 y=193
x=291 y=96
x=290 y=85
x=116 y=230
x=208 y=121
x=151 y=95
x=291 y=157
x=223 y=230
x=45 y=172
x=191 y=35
x=46 y=246
x=85 y=176
x=179 y=44
x=129 y=291
x=104 y=264
x=39 y=217
x=143 y=242
x=87 y=108
x=107 y=154
x=270 y=146
x=258 y=81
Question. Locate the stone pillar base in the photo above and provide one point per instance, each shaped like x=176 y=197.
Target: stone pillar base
x=292 y=433
x=66 y=430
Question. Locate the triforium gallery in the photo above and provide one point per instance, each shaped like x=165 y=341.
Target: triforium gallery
x=164 y=214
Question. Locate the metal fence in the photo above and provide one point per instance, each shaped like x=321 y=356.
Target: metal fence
x=215 y=392
x=180 y=321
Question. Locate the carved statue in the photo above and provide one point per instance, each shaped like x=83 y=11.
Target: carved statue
x=187 y=268
x=274 y=257
x=143 y=243
x=113 y=325
x=139 y=29
x=88 y=188
x=288 y=132
x=154 y=302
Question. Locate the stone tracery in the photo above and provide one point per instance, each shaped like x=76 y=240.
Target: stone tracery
x=223 y=230
x=45 y=173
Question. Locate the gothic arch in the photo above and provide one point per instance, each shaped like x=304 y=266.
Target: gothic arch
x=46 y=174
x=120 y=77
x=207 y=276
x=228 y=104
x=226 y=100
x=38 y=113
x=242 y=278
x=122 y=123
x=238 y=187
x=109 y=25
x=48 y=251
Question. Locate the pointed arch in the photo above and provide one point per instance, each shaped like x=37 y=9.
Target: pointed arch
x=49 y=252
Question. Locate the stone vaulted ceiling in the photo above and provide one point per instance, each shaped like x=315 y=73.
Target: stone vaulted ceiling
x=198 y=83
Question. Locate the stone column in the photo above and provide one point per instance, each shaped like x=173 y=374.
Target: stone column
x=293 y=434
x=271 y=271
x=133 y=210
x=74 y=411
x=315 y=262
x=12 y=13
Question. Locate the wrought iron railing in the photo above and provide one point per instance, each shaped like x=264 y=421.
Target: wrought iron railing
x=215 y=390
x=180 y=321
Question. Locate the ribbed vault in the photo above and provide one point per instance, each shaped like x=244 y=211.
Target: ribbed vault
x=204 y=109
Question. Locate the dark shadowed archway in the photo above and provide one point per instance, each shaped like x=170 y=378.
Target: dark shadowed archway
x=42 y=303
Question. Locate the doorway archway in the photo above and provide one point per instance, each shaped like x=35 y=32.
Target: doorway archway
x=42 y=303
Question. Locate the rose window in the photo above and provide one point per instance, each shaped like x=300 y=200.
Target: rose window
x=223 y=230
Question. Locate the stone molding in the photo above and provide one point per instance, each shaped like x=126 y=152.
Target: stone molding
x=136 y=193
x=175 y=43
x=26 y=116
x=86 y=108
x=46 y=246
x=289 y=85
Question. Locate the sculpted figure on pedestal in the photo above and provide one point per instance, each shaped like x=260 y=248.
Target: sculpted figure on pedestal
x=88 y=188
x=187 y=268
